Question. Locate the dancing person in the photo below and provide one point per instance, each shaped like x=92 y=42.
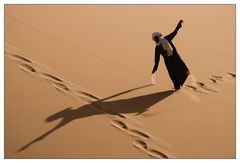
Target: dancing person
x=177 y=69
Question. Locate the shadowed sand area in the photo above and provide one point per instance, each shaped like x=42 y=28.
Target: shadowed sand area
x=136 y=105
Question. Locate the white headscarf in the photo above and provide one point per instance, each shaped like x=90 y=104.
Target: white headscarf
x=166 y=45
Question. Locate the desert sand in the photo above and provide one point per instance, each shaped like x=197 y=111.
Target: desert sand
x=77 y=82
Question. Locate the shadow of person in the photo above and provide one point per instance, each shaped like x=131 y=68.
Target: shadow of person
x=136 y=105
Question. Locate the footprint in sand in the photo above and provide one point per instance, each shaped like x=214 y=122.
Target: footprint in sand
x=220 y=79
x=119 y=124
x=60 y=86
x=116 y=115
x=139 y=144
x=195 y=89
x=27 y=68
x=110 y=112
x=201 y=88
x=156 y=154
x=137 y=133
x=19 y=58
x=50 y=77
x=216 y=79
x=233 y=75
x=200 y=84
x=206 y=87
x=143 y=146
x=213 y=80
x=84 y=95
x=192 y=87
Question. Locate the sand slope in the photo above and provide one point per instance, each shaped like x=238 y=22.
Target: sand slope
x=35 y=131
x=78 y=87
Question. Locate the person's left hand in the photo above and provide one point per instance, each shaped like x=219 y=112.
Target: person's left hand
x=179 y=25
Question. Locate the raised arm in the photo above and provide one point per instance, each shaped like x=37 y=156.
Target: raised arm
x=173 y=34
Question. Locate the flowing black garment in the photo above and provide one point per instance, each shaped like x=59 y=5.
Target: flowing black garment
x=177 y=69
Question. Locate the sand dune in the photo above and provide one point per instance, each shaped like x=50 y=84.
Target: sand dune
x=119 y=120
x=60 y=103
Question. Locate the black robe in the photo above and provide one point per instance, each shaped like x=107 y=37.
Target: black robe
x=177 y=69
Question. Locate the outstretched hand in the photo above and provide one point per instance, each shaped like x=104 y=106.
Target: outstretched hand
x=179 y=25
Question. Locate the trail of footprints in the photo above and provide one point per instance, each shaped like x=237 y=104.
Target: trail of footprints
x=29 y=66
x=203 y=88
x=141 y=140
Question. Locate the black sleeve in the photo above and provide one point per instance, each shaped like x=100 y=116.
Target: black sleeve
x=157 y=59
x=172 y=35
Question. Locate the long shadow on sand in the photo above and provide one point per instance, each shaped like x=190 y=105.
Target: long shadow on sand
x=136 y=105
